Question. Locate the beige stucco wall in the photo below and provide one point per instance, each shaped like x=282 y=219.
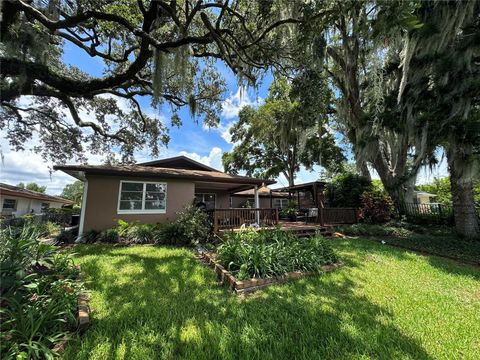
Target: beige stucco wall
x=102 y=201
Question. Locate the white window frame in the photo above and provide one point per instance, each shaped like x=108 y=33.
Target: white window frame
x=203 y=197
x=142 y=210
x=10 y=209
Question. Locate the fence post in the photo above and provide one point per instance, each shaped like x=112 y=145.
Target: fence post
x=215 y=224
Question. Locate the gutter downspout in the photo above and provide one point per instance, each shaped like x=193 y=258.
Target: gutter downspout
x=82 y=212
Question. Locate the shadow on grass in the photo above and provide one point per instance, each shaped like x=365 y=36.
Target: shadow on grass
x=447 y=265
x=165 y=304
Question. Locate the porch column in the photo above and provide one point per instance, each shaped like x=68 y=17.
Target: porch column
x=257 y=205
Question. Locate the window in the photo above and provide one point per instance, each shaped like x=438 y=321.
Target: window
x=207 y=199
x=9 y=204
x=45 y=207
x=280 y=203
x=142 y=197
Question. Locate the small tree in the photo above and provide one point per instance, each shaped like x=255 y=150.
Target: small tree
x=345 y=190
x=377 y=207
x=73 y=192
x=32 y=186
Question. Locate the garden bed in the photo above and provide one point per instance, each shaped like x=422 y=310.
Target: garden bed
x=253 y=284
x=254 y=258
x=83 y=320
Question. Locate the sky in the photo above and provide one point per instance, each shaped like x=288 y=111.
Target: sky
x=192 y=139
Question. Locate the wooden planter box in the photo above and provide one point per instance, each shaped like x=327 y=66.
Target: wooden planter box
x=250 y=285
x=83 y=317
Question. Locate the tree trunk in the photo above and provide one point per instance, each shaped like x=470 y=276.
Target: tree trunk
x=362 y=169
x=464 y=212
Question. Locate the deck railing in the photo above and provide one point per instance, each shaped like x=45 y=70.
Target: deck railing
x=226 y=219
x=333 y=216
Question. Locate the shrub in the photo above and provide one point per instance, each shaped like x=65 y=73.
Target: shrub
x=191 y=227
x=39 y=295
x=67 y=236
x=90 y=236
x=171 y=234
x=265 y=253
x=141 y=234
x=377 y=207
x=345 y=190
x=109 y=236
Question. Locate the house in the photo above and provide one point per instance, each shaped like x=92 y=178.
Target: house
x=153 y=192
x=422 y=197
x=17 y=201
x=268 y=198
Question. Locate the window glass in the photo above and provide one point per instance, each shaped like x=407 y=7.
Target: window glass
x=207 y=199
x=130 y=195
x=142 y=196
x=129 y=186
x=130 y=205
x=45 y=206
x=9 y=204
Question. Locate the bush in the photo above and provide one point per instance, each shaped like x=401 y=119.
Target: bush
x=90 y=236
x=345 y=190
x=266 y=253
x=377 y=207
x=39 y=295
x=67 y=236
x=109 y=236
x=191 y=227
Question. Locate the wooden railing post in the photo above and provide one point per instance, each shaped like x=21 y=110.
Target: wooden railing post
x=215 y=222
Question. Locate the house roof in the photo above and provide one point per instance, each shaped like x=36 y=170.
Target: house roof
x=263 y=191
x=79 y=172
x=179 y=162
x=10 y=190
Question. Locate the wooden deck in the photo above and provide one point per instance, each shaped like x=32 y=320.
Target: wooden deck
x=298 y=228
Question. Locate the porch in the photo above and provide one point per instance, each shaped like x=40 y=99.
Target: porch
x=233 y=219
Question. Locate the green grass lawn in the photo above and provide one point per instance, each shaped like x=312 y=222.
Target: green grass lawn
x=386 y=303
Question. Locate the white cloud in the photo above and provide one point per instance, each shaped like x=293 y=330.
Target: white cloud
x=213 y=159
x=223 y=129
x=235 y=102
x=27 y=166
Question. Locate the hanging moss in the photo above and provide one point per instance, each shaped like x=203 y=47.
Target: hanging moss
x=158 y=75
x=192 y=105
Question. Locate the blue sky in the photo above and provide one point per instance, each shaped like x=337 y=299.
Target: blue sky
x=191 y=139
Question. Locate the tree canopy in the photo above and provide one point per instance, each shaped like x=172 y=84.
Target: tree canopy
x=280 y=136
x=164 y=51
x=32 y=186
x=73 y=192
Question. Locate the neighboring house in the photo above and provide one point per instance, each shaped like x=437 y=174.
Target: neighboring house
x=422 y=197
x=152 y=192
x=16 y=201
x=268 y=199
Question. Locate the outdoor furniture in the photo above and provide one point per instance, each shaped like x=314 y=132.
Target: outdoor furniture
x=312 y=215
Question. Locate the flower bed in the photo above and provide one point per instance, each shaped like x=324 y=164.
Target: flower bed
x=41 y=302
x=251 y=285
x=251 y=259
